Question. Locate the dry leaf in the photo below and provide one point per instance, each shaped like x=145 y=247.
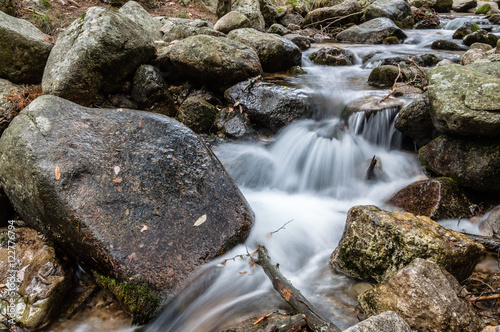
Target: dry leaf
x=58 y=173
x=132 y=256
x=286 y=294
x=200 y=220
x=140 y=123
x=170 y=272
x=243 y=272
x=144 y=228
x=236 y=104
x=117 y=180
x=117 y=170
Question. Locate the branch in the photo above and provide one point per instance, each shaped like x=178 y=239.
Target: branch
x=328 y=19
x=293 y=296
x=270 y=234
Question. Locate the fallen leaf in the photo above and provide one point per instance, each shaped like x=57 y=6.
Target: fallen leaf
x=243 y=272
x=132 y=256
x=200 y=220
x=117 y=180
x=286 y=294
x=58 y=173
x=236 y=104
x=140 y=123
x=144 y=228
x=170 y=272
x=117 y=170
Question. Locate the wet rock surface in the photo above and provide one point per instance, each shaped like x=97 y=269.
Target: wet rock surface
x=376 y=243
x=395 y=10
x=132 y=196
x=150 y=91
x=372 y=32
x=332 y=56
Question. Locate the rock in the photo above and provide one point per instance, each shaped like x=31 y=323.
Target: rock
x=484 y=9
x=6 y=209
x=94 y=54
x=415 y=121
x=466 y=29
x=471 y=56
x=490 y=226
x=425 y=296
x=376 y=243
x=43 y=280
x=139 y=15
x=302 y=42
x=268 y=11
x=371 y=32
x=438 y=199
x=481 y=46
x=443 y=44
x=332 y=56
x=278 y=29
x=387 y=321
x=395 y=10
x=325 y=3
x=233 y=124
x=425 y=18
x=340 y=13
x=291 y=18
x=198 y=23
x=8 y=109
x=172 y=31
x=463 y=6
x=471 y=162
x=384 y=76
x=441 y=6
x=445 y=62
x=150 y=91
x=370 y=105
x=270 y=105
x=198 y=114
x=8 y=7
x=119 y=191
x=275 y=53
x=23 y=50
x=464 y=100
x=232 y=21
x=495 y=18
x=481 y=36
x=251 y=9
x=220 y=61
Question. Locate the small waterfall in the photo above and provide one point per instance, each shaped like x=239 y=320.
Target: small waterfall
x=377 y=127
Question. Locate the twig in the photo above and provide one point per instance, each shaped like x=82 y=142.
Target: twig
x=393 y=85
x=485 y=297
x=492 y=289
x=282 y=227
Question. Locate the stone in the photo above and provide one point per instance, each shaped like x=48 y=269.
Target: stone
x=278 y=29
x=233 y=124
x=173 y=31
x=463 y=6
x=376 y=243
x=150 y=91
x=490 y=225
x=438 y=199
x=481 y=36
x=415 y=121
x=395 y=10
x=302 y=42
x=443 y=44
x=8 y=7
x=268 y=11
x=371 y=32
x=332 y=56
x=198 y=114
x=325 y=3
x=220 y=61
x=43 y=281
x=383 y=76
x=139 y=15
x=321 y=17
x=232 y=21
x=466 y=29
x=134 y=197
x=426 y=296
x=441 y=6
x=425 y=18
x=472 y=55
x=269 y=105
x=8 y=109
x=251 y=9
x=23 y=50
x=291 y=18
x=275 y=53
x=94 y=54
x=472 y=162
x=387 y=321
x=481 y=46
x=464 y=100
x=484 y=9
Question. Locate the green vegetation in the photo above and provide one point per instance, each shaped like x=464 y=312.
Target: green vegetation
x=183 y=14
x=483 y=9
x=46 y=4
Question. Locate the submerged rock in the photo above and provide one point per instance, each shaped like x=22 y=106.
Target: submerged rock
x=332 y=56
x=372 y=32
x=425 y=296
x=135 y=197
x=437 y=199
x=40 y=281
x=387 y=321
x=376 y=243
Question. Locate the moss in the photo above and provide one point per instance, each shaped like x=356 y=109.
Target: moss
x=474 y=27
x=391 y=40
x=138 y=298
x=483 y=9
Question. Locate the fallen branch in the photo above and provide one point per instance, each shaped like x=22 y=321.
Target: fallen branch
x=490 y=243
x=485 y=297
x=394 y=86
x=292 y=295
x=328 y=19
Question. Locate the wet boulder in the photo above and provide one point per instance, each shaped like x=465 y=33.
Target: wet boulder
x=443 y=44
x=302 y=42
x=398 y=10
x=233 y=123
x=220 y=61
x=324 y=16
x=275 y=53
x=139 y=15
x=134 y=197
x=464 y=100
x=372 y=32
x=270 y=105
x=466 y=29
x=332 y=56
x=426 y=296
x=8 y=109
x=384 y=76
x=441 y=6
x=150 y=91
x=23 y=50
x=438 y=199
x=463 y=6
x=232 y=21
x=376 y=243
x=387 y=321
x=481 y=36
x=415 y=121
x=39 y=280
x=472 y=162
x=198 y=114
x=94 y=54
x=174 y=31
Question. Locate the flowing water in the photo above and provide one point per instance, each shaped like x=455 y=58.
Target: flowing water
x=306 y=180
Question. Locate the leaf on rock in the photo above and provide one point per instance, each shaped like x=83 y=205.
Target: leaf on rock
x=144 y=228
x=117 y=180
x=58 y=173
x=200 y=220
x=132 y=256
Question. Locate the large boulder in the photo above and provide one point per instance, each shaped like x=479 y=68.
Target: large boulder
x=324 y=16
x=438 y=199
x=394 y=9
x=471 y=162
x=134 y=197
x=251 y=9
x=139 y=15
x=463 y=6
x=372 y=32
x=275 y=53
x=376 y=243
x=8 y=109
x=175 y=31
x=270 y=105
x=387 y=321
x=464 y=100
x=210 y=59
x=232 y=21
x=150 y=91
x=37 y=278
x=441 y=6
x=94 y=54
x=23 y=50
x=424 y=295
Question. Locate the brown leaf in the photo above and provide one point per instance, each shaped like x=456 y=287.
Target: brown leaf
x=200 y=220
x=117 y=180
x=170 y=272
x=144 y=228
x=58 y=173
x=286 y=293
x=132 y=256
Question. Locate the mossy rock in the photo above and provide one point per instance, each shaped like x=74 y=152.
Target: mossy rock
x=332 y=56
x=198 y=114
x=483 y=9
